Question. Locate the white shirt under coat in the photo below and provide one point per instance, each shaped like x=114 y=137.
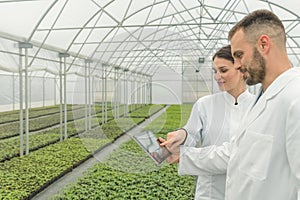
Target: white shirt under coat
x=213 y=120
x=263 y=159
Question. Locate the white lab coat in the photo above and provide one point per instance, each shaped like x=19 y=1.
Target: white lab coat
x=263 y=159
x=213 y=119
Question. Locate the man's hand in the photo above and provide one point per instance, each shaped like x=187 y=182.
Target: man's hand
x=173 y=142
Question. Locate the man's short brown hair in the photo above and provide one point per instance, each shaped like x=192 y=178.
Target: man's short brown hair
x=261 y=22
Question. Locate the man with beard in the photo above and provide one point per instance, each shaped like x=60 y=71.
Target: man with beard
x=262 y=161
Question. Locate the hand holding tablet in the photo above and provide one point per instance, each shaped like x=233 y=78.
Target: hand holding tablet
x=150 y=144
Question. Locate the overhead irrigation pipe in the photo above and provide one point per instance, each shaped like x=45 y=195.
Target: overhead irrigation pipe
x=35 y=69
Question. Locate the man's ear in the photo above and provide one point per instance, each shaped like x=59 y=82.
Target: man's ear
x=264 y=44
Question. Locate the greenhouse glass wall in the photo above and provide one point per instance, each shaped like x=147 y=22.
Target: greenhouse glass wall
x=80 y=78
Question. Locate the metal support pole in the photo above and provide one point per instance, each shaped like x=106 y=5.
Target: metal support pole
x=117 y=88
x=114 y=96
x=105 y=99
x=60 y=100
x=150 y=91
x=89 y=97
x=212 y=82
x=26 y=46
x=138 y=93
x=54 y=89
x=102 y=96
x=182 y=84
x=126 y=92
x=26 y=102
x=88 y=94
x=144 y=91
x=86 y=97
x=93 y=85
x=44 y=91
x=147 y=91
x=63 y=93
x=29 y=91
x=132 y=94
x=105 y=96
x=65 y=99
x=13 y=90
x=21 y=100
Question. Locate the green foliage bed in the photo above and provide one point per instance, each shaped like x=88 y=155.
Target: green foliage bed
x=129 y=173
x=21 y=178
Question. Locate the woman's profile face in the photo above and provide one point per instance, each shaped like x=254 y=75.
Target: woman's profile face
x=226 y=76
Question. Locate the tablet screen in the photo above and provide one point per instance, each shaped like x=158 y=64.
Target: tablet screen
x=150 y=144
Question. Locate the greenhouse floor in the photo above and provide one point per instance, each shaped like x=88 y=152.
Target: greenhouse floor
x=72 y=176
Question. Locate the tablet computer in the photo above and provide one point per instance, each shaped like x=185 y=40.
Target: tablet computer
x=150 y=144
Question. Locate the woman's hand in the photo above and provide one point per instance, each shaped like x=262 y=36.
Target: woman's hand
x=173 y=142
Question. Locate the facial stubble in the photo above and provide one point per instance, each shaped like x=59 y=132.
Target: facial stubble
x=256 y=69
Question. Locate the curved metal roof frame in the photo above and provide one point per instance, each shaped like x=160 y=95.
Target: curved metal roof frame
x=135 y=35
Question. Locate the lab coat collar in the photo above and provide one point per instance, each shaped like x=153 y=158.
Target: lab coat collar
x=276 y=86
x=280 y=82
x=230 y=99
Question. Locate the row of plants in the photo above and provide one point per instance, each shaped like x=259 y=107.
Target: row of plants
x=10 y=147
x=145 y=111
x=22 y=177
x=10 y=129
x=128 y=173
x=13 y=112
x=175 y=117
x=43 y=118
x=12 y=116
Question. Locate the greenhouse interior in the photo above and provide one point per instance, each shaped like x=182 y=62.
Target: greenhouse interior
x=81 y=78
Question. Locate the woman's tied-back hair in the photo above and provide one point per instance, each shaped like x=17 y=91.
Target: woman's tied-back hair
x=258 y=23
x=225 y=53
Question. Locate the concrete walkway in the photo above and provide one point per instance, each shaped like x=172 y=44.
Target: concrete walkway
x=71 y=177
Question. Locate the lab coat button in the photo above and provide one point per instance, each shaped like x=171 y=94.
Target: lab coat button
x=227 y=180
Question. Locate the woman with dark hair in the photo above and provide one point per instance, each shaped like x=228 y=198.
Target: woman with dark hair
x=214 y=120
